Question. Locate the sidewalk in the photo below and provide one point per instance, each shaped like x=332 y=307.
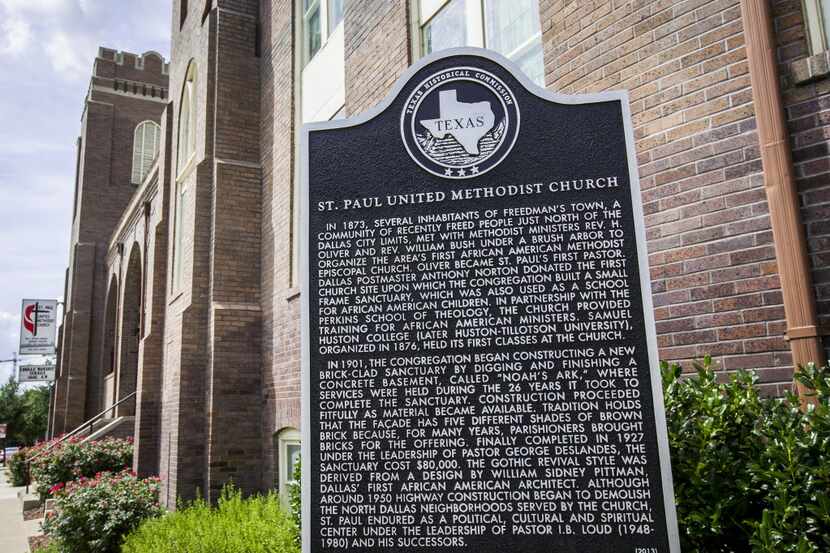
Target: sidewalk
x=14 y=531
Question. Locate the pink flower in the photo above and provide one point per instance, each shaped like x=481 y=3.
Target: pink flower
x=57 y=487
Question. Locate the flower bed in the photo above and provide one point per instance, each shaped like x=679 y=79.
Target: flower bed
x=94 y=514
x=74 y=459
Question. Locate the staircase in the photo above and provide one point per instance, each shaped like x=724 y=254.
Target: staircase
x=119 y=427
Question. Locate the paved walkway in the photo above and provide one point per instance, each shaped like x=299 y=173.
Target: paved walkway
x=14 y=531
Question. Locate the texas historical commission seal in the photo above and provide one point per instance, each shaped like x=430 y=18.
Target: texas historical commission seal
x=460 y=122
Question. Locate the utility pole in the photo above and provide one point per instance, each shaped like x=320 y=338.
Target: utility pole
x=14 y=360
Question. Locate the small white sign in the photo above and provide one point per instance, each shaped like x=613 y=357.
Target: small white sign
x=36 y=373
x=2 y=431
x=38 y=327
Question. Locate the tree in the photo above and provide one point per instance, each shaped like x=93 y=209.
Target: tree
x=24 y=411
x=35 y=403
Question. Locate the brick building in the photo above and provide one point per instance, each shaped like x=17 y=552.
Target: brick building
x=183 y=273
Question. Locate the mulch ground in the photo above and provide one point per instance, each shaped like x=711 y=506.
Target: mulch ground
x=33 y=514
x=38 y=542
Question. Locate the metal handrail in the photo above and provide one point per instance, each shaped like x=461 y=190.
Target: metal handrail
x=89 y=423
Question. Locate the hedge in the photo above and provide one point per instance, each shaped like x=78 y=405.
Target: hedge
x=751 y=473
x=255 y=525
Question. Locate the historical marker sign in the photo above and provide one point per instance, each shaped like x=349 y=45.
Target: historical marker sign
x=38 y=327
x=480 y=363
x=36 y=373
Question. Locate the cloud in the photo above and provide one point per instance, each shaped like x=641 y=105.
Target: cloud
x=37 y=6
x=70 y=55
x=47 y=52
x=15 y=36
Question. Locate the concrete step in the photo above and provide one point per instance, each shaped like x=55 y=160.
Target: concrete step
x=28 y=500
x=120 y=427
x=96 y=426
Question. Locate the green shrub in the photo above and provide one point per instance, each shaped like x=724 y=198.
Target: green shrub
x=295 y=498
x=17 y=462
x=17 y=467
x=751 y=474
x=94 y=515
x=255 y=525
x=74 y=459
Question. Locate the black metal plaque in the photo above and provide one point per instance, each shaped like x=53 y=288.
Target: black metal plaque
x=479 y=356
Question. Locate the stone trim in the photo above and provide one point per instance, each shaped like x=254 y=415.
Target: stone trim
x=810 y=69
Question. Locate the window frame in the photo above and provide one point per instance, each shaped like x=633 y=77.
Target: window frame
x=285 y=438
x=185 y=161
x=815 y=26
x=326 y=29
x=188 y=98
x=178 y=230
x=476 y=26
x=140 y=143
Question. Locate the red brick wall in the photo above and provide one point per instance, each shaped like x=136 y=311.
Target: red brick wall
x=211 y=411
x=280 y=299
x=376 y=50
x=103 y=191
x=808 y=112
x=714 y=276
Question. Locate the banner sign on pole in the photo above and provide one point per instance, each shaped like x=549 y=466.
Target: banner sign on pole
x=36 y=373
x=38 y=327
x=2 y=431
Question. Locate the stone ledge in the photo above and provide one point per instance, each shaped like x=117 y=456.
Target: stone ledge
x=28 y=501
x=810 y=69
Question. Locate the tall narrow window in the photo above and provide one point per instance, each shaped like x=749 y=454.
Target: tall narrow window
x=510 y=28
x=320 y=81
x=177 y=235
x=447 y=29
x=287 y=460
x=187 y=119
x=186 y=154
x=312 y=25
x=335 y=12
x=320 y=20
x=145 y=149
x=513 y=30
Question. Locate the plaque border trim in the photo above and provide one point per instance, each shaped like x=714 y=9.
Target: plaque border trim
x=620 y=96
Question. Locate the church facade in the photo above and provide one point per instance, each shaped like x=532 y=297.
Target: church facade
x=182 y=294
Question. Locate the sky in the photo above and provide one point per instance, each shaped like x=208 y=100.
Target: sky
x=47 y=48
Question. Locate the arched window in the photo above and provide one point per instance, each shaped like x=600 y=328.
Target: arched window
x=187 y=119
x=145 y=149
